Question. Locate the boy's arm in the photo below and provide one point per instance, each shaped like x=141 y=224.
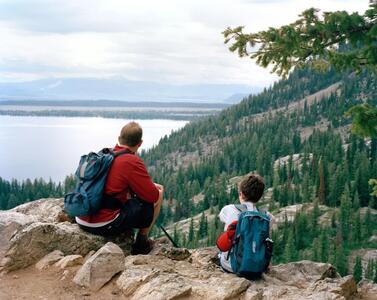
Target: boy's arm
x=222 y=215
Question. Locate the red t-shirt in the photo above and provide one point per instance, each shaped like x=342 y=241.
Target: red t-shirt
x=127 y=173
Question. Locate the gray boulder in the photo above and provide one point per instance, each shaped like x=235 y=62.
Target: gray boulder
x=35 y=240
x=101 y=267
x=10 y=224
x=47 y=210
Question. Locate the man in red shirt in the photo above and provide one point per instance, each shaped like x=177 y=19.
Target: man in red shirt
x=131 y=198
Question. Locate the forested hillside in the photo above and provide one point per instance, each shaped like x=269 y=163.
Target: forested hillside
x=298 y=139
x=241 y=139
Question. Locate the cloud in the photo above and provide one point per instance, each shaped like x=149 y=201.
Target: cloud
x=165 y=40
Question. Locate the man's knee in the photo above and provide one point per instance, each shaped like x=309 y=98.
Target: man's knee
x=159 y=202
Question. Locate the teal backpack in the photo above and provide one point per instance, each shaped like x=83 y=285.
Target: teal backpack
x=91 y=174
x=251 y=250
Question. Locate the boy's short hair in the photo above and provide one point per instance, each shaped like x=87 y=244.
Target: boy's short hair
x=131 y=134
x=252 y=187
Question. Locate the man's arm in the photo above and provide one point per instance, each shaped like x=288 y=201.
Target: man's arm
x=142 y=185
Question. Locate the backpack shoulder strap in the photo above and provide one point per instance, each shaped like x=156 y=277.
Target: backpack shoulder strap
x=125 y=151
x=240 y=207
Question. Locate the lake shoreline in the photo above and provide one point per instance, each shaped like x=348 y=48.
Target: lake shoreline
x=50 y=147
x=111 y=109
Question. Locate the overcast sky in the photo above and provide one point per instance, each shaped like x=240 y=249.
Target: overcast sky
x=175 y=41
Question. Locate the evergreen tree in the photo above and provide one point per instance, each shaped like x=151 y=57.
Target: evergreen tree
x=345 y=213
x=176 y=235
x=367 y=225
x=324 y=246
x=184 y=240
x=312 y=39
x=356 y=201
x=321 y=189
x=356 y=230
x=191 y=232
x=370 y=269
x=314 y=220
x=203 y=226
x=316 y=250
x=341 y=260
x=290 y=249
x=13 y=201
x=358 y=270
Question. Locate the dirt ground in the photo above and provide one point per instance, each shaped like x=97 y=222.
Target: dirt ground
x=49 y=284
x=52 y=284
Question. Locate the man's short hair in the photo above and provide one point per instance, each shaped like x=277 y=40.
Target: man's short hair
x=131 y=134
x=252 y=187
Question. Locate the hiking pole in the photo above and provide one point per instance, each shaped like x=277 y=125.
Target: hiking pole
x=169 y=237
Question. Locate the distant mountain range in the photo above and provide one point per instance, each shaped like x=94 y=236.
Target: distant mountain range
x=116 y=88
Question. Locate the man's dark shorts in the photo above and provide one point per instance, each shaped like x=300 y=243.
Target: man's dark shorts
x=133 y=214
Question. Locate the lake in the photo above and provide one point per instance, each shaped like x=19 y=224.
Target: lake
x=50 y=147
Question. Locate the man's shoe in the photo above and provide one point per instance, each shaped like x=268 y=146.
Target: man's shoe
x=142 y=246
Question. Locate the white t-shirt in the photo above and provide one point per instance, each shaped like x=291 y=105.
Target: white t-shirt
x=227 y=215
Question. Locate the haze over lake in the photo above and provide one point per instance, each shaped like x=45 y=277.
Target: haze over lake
x=50 y=147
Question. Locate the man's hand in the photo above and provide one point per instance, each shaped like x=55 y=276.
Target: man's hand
x=159 y=186
x=160 y=194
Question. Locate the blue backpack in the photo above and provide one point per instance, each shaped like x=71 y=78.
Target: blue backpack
x=251 y=250
x=91 y=175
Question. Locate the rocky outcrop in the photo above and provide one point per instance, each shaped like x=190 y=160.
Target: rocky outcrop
x=155 y=277
x=38 y=239
x=167 y=273
x=101 y=267
x=33 y=230
x=197 y=277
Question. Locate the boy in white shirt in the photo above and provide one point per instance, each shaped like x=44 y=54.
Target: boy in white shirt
x=250 y=191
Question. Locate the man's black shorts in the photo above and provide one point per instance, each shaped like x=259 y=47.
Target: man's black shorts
x=133 y=214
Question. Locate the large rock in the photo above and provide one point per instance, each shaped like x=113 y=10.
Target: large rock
x=69 y=261
x=330 y=288
x=300 y=273
x=35 y=240
x=368 y=290
x=101 y=267
x=44 y=210
x=10 y=223
x=158 y=277
x=32 y=230
x=197 y=277
x=49 y=259
x=123 y=240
